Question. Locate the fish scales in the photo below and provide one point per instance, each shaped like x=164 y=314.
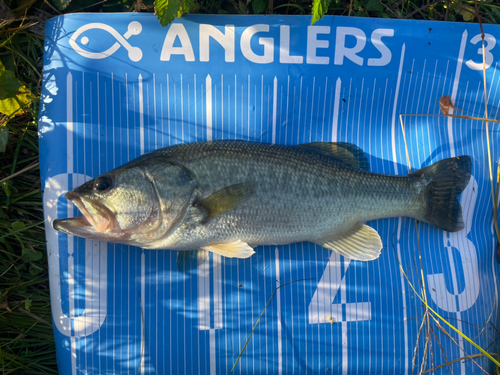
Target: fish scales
x=302 y=194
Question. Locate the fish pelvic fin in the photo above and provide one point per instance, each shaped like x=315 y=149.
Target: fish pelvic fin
x=188 y=260
x=361 y=242
x=235 y=249
x=445 y=180
x=346 y=152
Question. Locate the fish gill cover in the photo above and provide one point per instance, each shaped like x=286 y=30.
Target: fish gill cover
x=118 y=86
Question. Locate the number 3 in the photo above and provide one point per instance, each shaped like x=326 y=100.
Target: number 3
x=490 y=43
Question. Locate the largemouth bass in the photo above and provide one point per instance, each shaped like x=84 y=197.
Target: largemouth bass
x=228 y=197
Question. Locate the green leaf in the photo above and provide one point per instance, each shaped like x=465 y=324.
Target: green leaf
x=320 y=7
x=8 y=62
x=374 y=6
x=6 y=188
x=34 y=269
x=3 y=215
x=467 y=16
x=259 y=6
x=4 y=137
x=32 y=255
x=188 y=5
x=13 y=95
x=18 y=225
x=61 y=4
x=9 y=85
x=16 y=105
x=168 y=10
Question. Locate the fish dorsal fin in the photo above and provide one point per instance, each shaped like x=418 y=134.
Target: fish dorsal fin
x=235 y=249
x=188 y=260
x=361 y=242
x=347 y=152
x=227 y=199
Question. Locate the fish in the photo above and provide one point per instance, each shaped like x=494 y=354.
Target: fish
x=229 y=197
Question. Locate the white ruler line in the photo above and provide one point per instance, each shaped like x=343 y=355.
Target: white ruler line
x=69 y=147
x=218 y=292
x=195 y=110
x=275 y=103
x=248 y=108
x=278 y=311
x=460 y=60
x=343 y=301
x=182 y=111
x=71 y=282
x=261 y=103
x=402 y=278
x=157 y=303
x=154 y=106
x=208 y=93
x=213 y=363
x=83 y=125
x=168 y=110
x=98 y=128
x=324 y=110
x=235 y=106
x=335 y=121
x=287 y=103
x=360 y=106
x=143 y=310
x=394 y=109
x=222 y=103
x=113 y=118
x=128 y=121
x=141 y=114
x=300 y=109
x=312 y=109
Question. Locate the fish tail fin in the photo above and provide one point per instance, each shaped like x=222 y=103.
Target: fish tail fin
x=445 y=180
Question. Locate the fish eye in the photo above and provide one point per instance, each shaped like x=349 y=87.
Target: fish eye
x=102 y=183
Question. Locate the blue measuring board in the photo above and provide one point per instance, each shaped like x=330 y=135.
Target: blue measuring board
x=116 y=86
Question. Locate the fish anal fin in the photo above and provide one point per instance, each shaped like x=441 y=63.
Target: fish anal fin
x=361 y=242
x=235 y=249
x=227 y=199
x=188 y=260
x=347 y=152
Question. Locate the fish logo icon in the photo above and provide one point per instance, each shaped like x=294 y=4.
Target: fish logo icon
x=134 y=53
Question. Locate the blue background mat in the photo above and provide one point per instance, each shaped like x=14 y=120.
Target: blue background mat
x=118 y=85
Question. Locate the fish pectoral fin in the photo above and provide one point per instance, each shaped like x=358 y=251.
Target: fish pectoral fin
x=361 y=242
x=347 y=152
x=188 y=260
x=227 y=199
x=235 y=249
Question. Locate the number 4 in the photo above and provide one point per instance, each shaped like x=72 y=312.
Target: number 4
x=490 y=43
x=333 y=281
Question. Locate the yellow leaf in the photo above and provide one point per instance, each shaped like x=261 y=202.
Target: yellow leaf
x=16 y=105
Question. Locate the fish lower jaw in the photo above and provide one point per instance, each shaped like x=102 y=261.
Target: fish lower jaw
x=65 y=225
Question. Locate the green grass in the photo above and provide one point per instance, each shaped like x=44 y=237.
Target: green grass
x=26 y=339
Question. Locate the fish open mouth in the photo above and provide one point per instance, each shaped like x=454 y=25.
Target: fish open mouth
x=100 y=220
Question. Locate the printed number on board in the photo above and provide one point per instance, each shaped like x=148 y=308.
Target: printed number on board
x=489 y=44
x=333 y=282
x=462 y=257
